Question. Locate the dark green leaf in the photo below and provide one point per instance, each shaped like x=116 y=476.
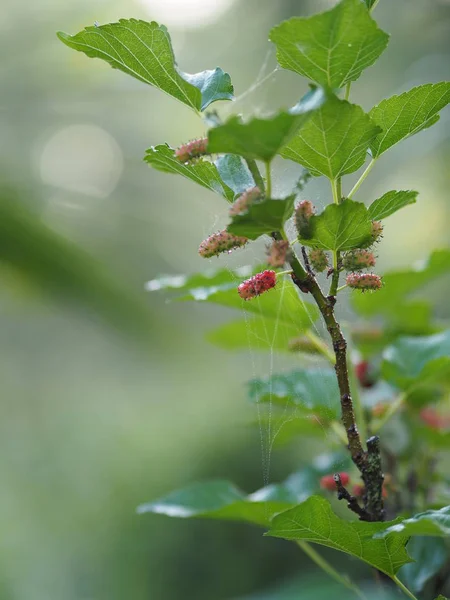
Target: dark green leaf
x=390 y=203
x=210 y=277
x=340 y=227
x=263 y=138
x=280 y=303
x=402 y=116
x=263 y=217
x=57 y=266
x=334 y=141
x=234 y=173
x=413 y=361
x=263 y=333
x=224 y=501
x=331 y=48
x=144 y=51
x=370 y=3
x=431 y=522
x=314 y=390
x=314 y=521
x=399 y=284
x=430 y=555
x=203 y=172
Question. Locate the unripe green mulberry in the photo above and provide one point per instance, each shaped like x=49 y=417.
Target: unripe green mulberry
x=303 y=213
x=318 y=259
x=357 y=260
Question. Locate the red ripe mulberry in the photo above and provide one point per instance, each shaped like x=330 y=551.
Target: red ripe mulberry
x=257 y=285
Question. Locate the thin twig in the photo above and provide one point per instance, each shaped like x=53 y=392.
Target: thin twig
x=353 y=505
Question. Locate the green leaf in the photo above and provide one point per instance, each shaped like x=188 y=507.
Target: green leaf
x=390 y=203
x=431 y=523
x=314 y=521
x=441 y=597
x=210 y=277
x=262 y=217
x=334 y=141
x=340 y=227
x=203 y=172
x=413 y=361
x=222 y=500
x=314 y=390
x=262 y=138
x=370 y=3
x=399 y=284
x=331 y=48
x=56 y=266
x=430 y=555
x=280 y=303
x=263 y=334
x=144 y=51
x=402 y=116
x=234 y=173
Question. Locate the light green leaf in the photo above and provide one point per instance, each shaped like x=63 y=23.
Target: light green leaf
x=224 y=501
x=263 y=138
x=56 y=266
x=262 y=217
x=413 y=361
x=263 y=333
x=402 y=116
x=279 y=303
x=314 y=521
x=201 y=171
x=399 y=284
x=390 y=203
x=331 y=48
x=430 y=555
x=144 y=51
x=234 y=173
x=314 y=390
x=334 y=141
x=431 y=522
x=340 y=227
x=210 y=277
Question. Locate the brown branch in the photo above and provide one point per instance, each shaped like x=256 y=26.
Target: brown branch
x=368 y=463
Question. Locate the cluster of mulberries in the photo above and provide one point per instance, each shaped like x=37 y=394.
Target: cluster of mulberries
x=244 y=201
x=191 y=150
x=223 y=241
x=257 y=285
x=303 y=213
x=318 y=260
x=360 y=259
x=278 y=253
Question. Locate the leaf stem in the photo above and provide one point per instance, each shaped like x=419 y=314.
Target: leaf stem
x=320 y=345
x=393 y=408
x=347 y=90
x=403 y=588
x=288 y=272
x=329 y=569
x=335 y=277
x=374 y=5
x=341 y=288
x=268 y=180
x=335 y=185
x=360 y=181
x=257 y=178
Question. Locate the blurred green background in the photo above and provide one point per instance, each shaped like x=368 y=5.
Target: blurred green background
x=92 y=421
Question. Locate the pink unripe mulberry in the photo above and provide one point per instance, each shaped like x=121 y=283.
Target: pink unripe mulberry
x=318 y=259
x=377 y=230
x=364 y=281
x=257 y=285
x=278 y=253
x=192 y=149
x=357 y=260
x=223 y=241
x=303 y=213
x=245 y=200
